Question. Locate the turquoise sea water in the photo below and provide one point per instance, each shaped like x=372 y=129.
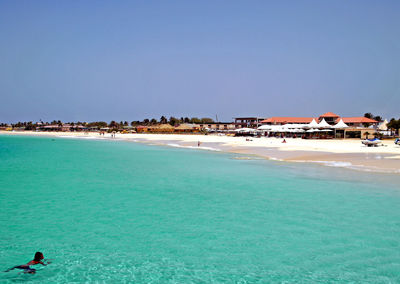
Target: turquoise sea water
x=109 y=211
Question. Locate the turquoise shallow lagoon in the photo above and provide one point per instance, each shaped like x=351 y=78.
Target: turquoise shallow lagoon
x=112 y=211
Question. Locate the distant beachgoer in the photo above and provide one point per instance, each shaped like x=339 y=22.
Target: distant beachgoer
x=284 y=141
x=38 y=259
x=198 y=143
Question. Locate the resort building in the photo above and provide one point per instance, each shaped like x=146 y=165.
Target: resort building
x=329 y=123
x=249 y=122
x=187 y=128
x=330 y=117
x=161 y=128
x=216 y=126
x=142 y=129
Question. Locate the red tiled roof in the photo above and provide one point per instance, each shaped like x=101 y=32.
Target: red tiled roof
x=283 y=119
x=358 y=119
x=329 y=114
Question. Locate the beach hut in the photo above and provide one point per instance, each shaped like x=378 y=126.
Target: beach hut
x=187 y=128
x=162 y=128
x=142 y=129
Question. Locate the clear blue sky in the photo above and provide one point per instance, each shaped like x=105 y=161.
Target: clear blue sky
x=130 y=60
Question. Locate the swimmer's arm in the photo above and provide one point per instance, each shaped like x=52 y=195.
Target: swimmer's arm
x=47 y=261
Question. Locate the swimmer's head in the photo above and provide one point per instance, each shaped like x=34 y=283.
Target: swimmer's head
x=38 y=256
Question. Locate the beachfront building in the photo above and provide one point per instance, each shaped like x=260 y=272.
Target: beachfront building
x=187 y=128
x=62 y=127
x=282 y=120
x=360 y=122
x=167 y=128
x=142 y=129
x=329 y=117
x=6 y=128
x=248 y=122
x=218 y=126
x=356 y=127
x=161 y=128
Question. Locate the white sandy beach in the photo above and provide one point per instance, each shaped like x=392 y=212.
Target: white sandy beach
x=329 y=152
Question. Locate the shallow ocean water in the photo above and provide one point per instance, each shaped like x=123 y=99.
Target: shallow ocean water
x=113 y=211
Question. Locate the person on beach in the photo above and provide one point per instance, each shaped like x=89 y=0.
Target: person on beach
x=38 y=259
x=198 y=143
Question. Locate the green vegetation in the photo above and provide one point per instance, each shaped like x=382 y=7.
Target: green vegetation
x=98 y=124
x=394 y=124
x=371 y=116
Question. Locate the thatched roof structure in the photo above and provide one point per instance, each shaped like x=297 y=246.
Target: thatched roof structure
x=186 y=126
x=162 y=128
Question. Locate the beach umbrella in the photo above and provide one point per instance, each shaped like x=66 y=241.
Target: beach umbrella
x=270 y=128
x=311 y=130
x=245 y=130
x=241 y=130
x=264 y=127
x=293 y=125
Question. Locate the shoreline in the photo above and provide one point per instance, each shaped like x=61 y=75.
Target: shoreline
x=349 y=153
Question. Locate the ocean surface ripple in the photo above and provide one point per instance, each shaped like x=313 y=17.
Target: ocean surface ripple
x=109 y=212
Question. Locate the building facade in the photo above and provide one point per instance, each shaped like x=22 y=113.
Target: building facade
x=219 y=126
x=248 y=122
x=330 y=117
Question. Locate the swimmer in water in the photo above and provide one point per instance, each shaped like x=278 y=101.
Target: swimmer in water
x=38 y=259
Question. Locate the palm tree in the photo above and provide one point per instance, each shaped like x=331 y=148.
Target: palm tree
x=113 y=124
x=163 y=120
